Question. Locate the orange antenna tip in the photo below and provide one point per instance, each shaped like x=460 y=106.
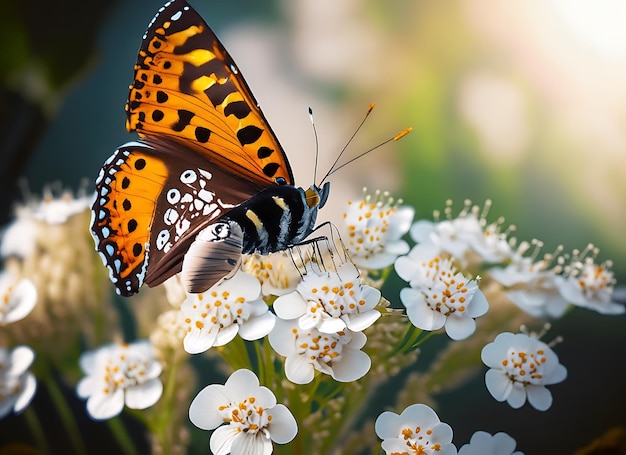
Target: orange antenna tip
x=369 y=109
x=401 y=134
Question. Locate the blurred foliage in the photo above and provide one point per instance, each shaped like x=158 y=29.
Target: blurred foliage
x=44 y=46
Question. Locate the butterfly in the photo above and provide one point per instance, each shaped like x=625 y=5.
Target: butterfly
x=207 y=179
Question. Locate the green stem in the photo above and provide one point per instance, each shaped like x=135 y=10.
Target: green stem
x=34 y=424
x=260 y=363
x=236 y=354
x=121 y=436
x=160 y=425
x=66 y=415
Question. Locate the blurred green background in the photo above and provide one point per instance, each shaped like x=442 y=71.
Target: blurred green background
x=523 y=103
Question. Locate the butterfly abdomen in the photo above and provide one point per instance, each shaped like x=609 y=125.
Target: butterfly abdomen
x=276 y=218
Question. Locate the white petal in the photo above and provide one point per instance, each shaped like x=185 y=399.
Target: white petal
x=257 y=327
x=88 y=362
x=422 y=230
x=86 y=386
x=281 y=337
x=144 y=395
x=29 y=387
x=250 y=444
x=422 y=317
x=558 y=375
x=502 y=443
x=459 y=327
x=226 y=334
x=493 y=353
x=101 y=406
x=478 y=305
x=222 y=440
x=354 y=364
x=23 y=300
x=421 y=413
x=498 y=384
x=298 y=369
x=20 y=360
x=395 y=446
x=198 y=341
x=441 y=433
x=371 y=296
x=283 y=427
x=203 y=411
x=376 y=261
x=361 y=321
x=388 y=425
x=240 y=383
x=358 y=340
x=289 y=306
x=517 y=397
x=331 y=325
x=539 y=397
x=405 y=268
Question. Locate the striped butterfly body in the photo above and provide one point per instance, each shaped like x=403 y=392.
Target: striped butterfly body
x=207 y=180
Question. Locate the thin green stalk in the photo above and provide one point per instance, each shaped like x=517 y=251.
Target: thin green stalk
x=123 y=439
x=236 y=354
x=260 y=363
x=268 y=361
x=67 y=417
x=34 y=424
x=159 y=425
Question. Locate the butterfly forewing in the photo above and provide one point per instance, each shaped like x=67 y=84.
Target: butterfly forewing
x=187 y=87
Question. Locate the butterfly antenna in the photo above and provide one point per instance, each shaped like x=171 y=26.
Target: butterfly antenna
x=317 y=144
x=397 y=137
x=332 y=168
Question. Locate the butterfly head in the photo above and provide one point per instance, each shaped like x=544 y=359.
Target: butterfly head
x=316 y=197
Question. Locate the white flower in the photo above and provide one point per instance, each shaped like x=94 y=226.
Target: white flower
x=468 y=237
x=53 y=209
x=247 y=416
x=417 y=430
x=439 y=296
x=589 y=285
x=482 y=443
x=531 y=287
x=232 y=306
x=375 y=226
x=331 y=301
x=19 y=238
x=119 y=374
x=336 y=354
x=17 y=298
x=17 y=384
x=521 y=366
x=277 y=272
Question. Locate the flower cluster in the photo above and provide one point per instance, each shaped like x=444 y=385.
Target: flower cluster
x=521 y=366
x=118 y=375
x=318 y=310
x=17 y=383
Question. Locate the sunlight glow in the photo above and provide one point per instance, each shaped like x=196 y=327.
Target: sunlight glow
x=599 y=24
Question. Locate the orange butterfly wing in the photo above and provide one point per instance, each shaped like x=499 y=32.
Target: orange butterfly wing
x=205 y=147
x=188 y=88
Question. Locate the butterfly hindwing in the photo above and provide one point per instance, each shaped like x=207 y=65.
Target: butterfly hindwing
x=188 y=87
x=151 y=200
